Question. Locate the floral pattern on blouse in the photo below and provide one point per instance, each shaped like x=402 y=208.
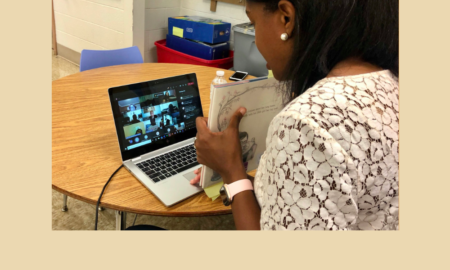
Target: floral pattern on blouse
x=331 y=159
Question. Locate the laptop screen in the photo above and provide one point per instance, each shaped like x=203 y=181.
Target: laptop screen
x=154 y=114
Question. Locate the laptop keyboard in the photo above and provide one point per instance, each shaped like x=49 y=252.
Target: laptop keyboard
x=167 y=165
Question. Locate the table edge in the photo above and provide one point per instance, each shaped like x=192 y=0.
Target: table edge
x=136 y=211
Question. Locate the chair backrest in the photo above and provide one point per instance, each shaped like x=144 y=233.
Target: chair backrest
x=91 y=59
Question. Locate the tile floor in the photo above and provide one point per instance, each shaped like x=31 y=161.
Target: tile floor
x=81 y=216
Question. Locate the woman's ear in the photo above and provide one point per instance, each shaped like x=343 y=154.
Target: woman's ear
x=287 y=11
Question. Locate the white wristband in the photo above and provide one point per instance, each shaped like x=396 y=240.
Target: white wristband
x=238 y=186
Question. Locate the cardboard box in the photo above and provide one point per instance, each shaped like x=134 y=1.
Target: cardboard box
x=198 y=49
x=200 y=28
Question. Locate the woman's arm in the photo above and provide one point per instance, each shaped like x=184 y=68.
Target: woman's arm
x=245 y=208
x=221 y=151
x=246 y=211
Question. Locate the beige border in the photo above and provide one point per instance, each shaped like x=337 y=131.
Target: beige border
x=54 y=46
x=27 y=241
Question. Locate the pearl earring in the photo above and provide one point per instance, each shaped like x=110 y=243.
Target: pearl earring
x=284 y=36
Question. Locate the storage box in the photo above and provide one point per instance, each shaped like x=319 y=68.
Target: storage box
x=246 y=55
x=200 y=28
x=199 y=49
x=166 y=55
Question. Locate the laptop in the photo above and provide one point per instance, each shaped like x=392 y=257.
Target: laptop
x=155 y=124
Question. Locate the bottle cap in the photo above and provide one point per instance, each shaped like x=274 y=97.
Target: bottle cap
x=220 y=73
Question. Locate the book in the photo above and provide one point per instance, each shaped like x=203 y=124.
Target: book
x=263 y=99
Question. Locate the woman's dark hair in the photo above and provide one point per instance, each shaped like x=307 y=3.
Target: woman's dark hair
x=327 y=32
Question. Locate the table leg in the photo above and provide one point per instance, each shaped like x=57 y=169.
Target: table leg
x=121 y=220
x=64 y=208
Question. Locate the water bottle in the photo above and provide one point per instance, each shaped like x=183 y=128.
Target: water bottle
x=219 y=79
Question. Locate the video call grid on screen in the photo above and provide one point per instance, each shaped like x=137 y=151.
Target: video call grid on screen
x=168 y=110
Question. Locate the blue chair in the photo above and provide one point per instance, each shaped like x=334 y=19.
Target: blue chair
x=91 y=59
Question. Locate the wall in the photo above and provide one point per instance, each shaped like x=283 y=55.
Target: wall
x=113 y=24
x=157 y=12
x=96 y=25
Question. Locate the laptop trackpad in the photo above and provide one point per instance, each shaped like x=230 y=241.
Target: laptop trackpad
x=189 y=176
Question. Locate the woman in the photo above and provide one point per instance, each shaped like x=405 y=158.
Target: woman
x=331 y=159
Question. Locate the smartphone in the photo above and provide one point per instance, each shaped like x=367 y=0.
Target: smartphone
x=238 y=76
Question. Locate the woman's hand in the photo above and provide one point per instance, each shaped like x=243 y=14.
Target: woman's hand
x=221 y=151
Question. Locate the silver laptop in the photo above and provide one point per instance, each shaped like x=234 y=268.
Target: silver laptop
x=155 y=124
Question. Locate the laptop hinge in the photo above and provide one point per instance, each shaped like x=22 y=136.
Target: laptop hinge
x=135 y=159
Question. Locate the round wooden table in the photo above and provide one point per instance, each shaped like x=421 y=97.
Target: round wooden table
x=85 y=149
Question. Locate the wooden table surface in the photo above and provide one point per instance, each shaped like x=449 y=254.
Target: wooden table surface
x=85 y=150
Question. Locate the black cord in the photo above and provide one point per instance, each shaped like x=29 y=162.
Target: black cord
x=101 y=194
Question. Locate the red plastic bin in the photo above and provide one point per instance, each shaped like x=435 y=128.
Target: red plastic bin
x=167 y=55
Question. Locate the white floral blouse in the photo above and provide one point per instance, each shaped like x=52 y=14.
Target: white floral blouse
x=331 y=161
